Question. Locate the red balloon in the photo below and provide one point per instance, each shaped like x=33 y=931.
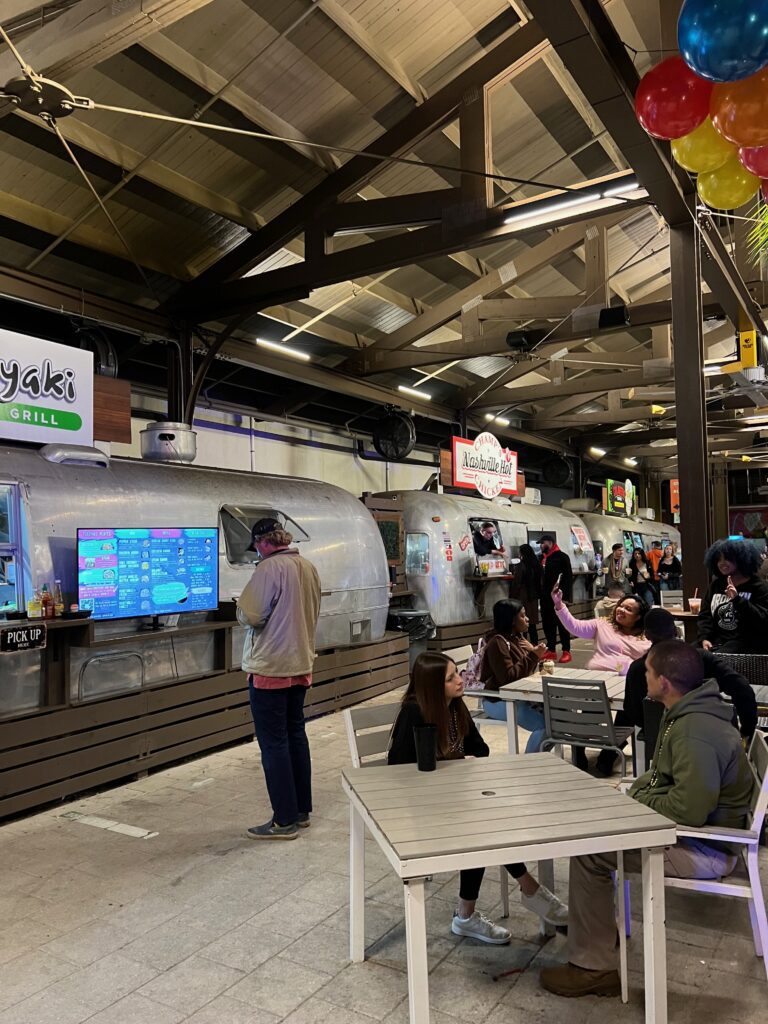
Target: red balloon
x=764 y=187
x=671 y=100
x=755 y=160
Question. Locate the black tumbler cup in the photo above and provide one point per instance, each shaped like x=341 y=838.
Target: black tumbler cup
x=425 y=737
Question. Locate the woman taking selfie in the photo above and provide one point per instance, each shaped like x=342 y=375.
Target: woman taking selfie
x=618 y=639
x=434 y=696
x=507 y=657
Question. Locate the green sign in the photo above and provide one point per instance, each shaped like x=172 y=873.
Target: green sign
x=40 y=416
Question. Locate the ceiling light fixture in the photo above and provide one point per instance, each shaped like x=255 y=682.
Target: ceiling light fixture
x=496 y=419
x=600 y=452
x=620 y=189
x=710 y=371
x=412 y=391
x=540 y=212
x=631 y=461
x=285 y=350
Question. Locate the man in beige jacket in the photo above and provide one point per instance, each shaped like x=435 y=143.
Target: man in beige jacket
x=280 y=606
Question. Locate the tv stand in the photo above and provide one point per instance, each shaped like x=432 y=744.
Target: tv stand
x=152 y=627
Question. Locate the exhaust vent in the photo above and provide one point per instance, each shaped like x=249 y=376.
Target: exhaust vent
x=168 y=442
x=74 y=455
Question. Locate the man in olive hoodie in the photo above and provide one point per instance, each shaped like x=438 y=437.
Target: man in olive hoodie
x=700 y=776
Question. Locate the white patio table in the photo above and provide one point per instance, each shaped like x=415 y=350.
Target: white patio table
x=490 y=811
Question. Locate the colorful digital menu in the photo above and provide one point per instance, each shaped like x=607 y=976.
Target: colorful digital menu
x=126 y=573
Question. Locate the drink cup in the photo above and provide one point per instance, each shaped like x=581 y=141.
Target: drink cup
x=694 y=605
x=425 y=737
x=548 y=668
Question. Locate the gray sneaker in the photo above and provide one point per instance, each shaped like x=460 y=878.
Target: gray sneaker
x=270 y=830
x=303 y=820
x=480 y=927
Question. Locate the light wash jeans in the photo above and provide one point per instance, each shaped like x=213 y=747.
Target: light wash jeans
x=530 y=716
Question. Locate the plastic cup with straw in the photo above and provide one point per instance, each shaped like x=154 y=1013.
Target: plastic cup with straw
x=694 y=603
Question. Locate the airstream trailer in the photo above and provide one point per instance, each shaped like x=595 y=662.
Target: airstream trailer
x=631 y=531
x=47 y=495
x=440 y=559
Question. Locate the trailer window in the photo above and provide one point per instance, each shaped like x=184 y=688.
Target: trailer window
x=10 y=594
x=416 y=554
x=236 y=525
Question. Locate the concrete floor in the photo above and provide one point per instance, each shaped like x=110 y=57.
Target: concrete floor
x=200 y=924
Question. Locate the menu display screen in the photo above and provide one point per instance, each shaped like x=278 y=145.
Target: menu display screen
x=134 y=572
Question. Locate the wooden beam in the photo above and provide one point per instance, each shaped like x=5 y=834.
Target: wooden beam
x=366 y=42
x=475 y=148
x=438 y=110
x=390 y=212
x=543 y=307
x=596 y=266
x=91 y=32
x=621 y=415
x=504 y=397
x=176 y=57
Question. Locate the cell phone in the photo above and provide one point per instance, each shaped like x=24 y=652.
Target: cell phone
x=557 y=582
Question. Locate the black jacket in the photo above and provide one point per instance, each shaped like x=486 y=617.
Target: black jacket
x=402 y=749
x=557 y=564
x=731 y=683
x=742 y=622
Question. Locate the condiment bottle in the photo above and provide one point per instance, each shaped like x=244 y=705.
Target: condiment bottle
x=35 y=606
x=58 y=599
x=47 y=601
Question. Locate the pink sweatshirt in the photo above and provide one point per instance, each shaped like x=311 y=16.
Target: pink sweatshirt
x=614 y=651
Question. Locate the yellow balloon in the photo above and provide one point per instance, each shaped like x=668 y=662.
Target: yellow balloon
x=702 y=150
x=729 y=187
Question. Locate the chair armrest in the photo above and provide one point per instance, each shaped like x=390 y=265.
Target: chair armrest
x=726 y=835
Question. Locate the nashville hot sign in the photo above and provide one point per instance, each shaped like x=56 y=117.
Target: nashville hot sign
x=483 y=465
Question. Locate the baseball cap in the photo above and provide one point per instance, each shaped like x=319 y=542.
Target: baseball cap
x=261 y=527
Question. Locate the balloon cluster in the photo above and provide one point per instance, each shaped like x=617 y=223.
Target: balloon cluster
x=712 y=100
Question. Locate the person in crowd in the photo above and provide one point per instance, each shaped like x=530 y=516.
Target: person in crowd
x=557 y=572
x=484 y=541
x=615 y=568
x=700 y=776
x=670 y=571
x=434 y=696
x=660 y=627
x=279 y=608
x=526 y=587
x=734 y=612
x=618 y=639
x=762 y=572
x=654 y=556
x=614 y=593
x=641 y=576
x=508 y=656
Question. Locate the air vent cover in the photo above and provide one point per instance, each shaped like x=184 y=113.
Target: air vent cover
x=394 y=438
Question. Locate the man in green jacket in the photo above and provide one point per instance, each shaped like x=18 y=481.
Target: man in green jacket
x=700 y=776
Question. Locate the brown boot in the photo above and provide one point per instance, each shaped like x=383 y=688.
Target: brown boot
x=569 y=980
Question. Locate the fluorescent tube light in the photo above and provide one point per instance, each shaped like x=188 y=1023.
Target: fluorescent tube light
x=496 y=419
x=553 y=207
x=502 y=421
x=600 y=452
x=489 y=416
x=631 y=461
x=414 y=392
x=285 y=350
x=620 y=189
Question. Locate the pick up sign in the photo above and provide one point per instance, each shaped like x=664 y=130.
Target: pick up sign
x=22 y=638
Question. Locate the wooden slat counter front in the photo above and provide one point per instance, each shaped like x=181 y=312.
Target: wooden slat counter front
x=492 y=811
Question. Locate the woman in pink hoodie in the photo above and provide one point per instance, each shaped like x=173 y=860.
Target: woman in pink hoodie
x=619 y=639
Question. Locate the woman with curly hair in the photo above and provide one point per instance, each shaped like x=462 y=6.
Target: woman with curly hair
x=734 y=611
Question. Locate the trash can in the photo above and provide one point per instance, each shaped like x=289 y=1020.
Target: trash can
x=417 y=624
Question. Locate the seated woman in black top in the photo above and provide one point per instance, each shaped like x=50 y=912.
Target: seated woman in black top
x=734 y=613
x=434 y=696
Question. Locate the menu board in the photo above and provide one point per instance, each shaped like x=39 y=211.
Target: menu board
x=133 y=572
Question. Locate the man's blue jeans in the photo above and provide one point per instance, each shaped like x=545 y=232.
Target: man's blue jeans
x=530 y=716
x=278 y=718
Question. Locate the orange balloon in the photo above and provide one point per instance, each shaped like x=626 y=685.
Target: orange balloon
x=740 y=110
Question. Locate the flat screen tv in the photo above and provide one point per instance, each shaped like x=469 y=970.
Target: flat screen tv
x=127 y=573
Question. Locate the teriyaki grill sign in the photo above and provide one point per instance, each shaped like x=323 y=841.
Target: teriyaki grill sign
x=46 y=390
x=485 y=466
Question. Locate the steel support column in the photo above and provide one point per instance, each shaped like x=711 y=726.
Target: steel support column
x=688 y=342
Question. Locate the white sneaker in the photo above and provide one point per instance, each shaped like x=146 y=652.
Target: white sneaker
x=480 y=927
x=547 y=906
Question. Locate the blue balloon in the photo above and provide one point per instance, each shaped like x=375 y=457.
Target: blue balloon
x=724 y=40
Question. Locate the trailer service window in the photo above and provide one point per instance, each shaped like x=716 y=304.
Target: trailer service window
x=236 y=525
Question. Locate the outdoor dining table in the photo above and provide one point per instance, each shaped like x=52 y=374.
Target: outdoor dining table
x=530 y=689
x=491 y=811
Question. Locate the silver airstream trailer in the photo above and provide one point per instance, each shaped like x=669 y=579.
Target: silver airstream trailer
x=440 y=558
x=631 y=531
x=47 y=495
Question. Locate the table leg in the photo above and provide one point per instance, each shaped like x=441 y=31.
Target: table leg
x=416 y=946
x=654 y=936
x=622 y=908
x=512 y=744
x=546 y=870
x=356 y=886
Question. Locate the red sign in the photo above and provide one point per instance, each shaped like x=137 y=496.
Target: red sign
x=674 y=495
x=483 y=465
